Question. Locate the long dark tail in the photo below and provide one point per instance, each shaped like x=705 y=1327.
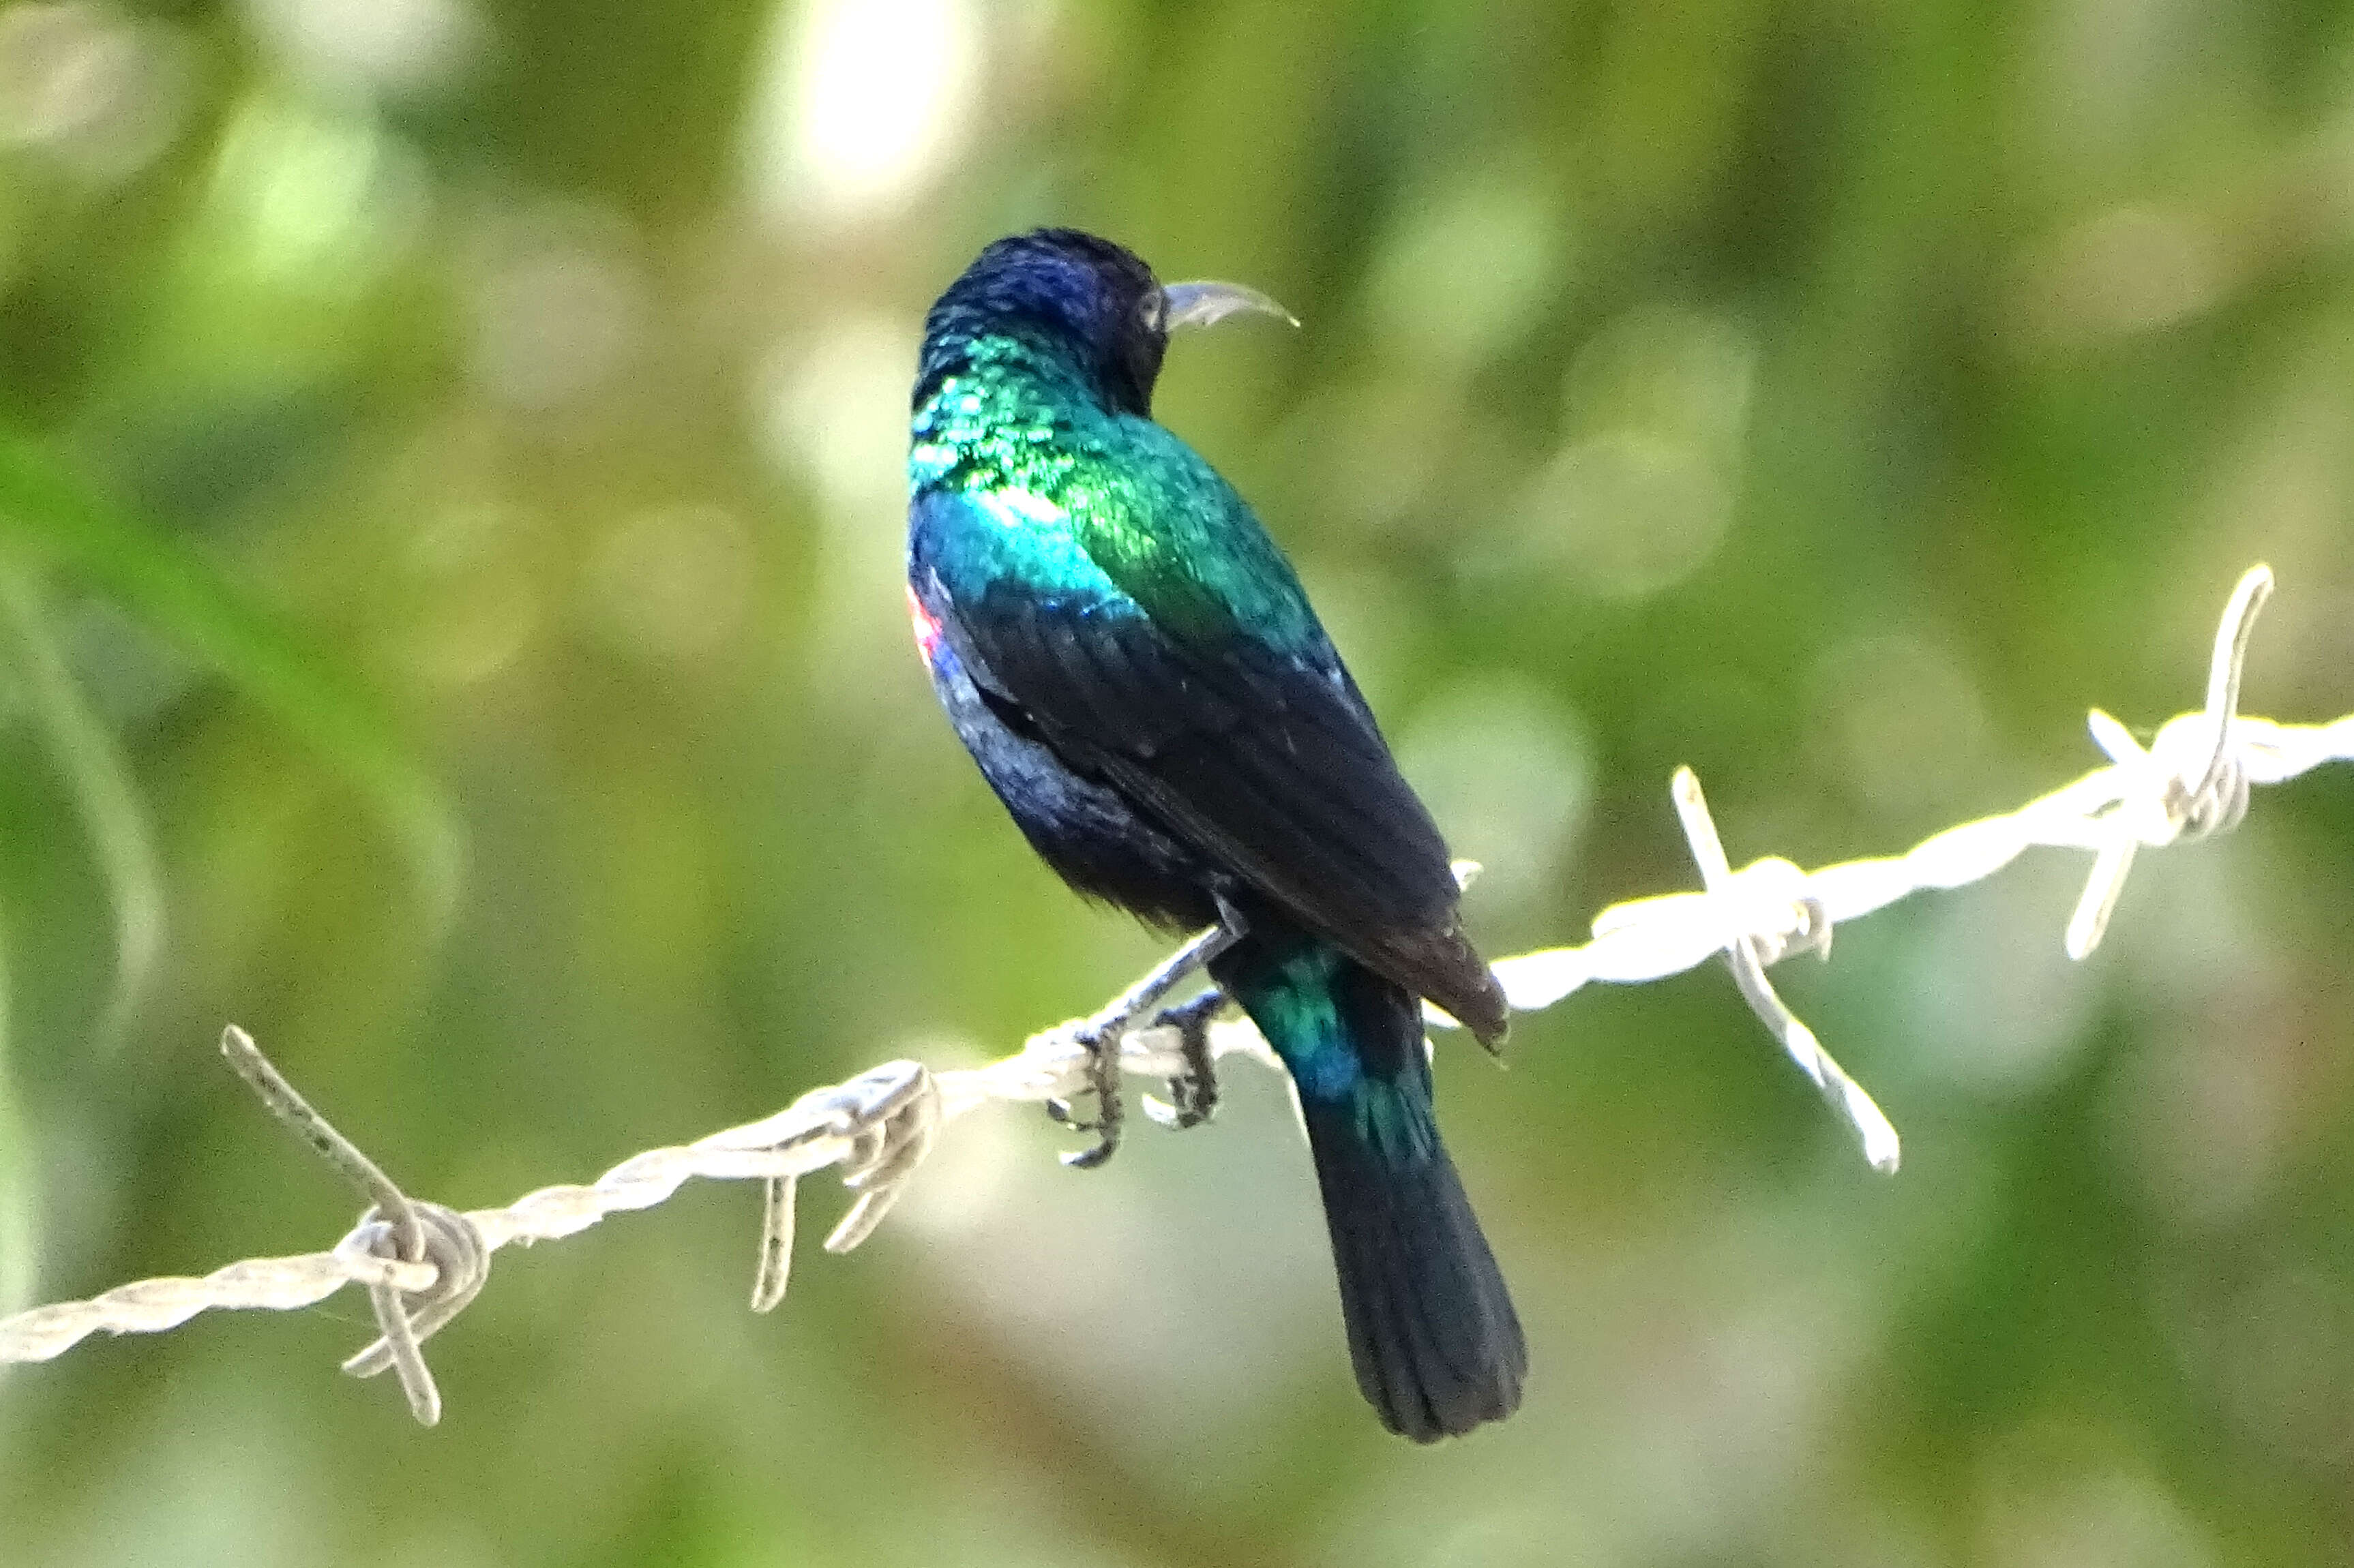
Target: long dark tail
x=1437 y=1345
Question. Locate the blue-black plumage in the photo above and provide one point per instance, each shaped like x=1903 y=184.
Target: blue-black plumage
x=1134 y=666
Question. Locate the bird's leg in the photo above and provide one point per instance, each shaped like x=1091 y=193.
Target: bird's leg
x=1194 y=1093
x=1104 y=1034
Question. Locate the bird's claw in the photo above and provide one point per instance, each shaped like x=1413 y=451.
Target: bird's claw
x=1192 y=1094
x=1195 y=1091
x=1103 y=1082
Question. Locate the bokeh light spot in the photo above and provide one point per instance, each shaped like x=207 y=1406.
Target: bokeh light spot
x=861 y=104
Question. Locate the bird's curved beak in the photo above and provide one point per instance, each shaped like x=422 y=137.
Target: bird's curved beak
x=1201 y=304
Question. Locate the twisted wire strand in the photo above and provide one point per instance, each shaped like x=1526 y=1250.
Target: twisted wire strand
x=422 y=1263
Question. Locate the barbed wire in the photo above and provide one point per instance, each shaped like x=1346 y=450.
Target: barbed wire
x=421 y=1263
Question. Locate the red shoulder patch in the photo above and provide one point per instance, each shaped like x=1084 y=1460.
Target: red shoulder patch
x=927 y=625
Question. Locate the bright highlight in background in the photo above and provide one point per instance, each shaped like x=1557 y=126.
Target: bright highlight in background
x=859 y=105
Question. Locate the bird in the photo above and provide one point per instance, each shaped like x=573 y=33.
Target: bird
x=1131 y=659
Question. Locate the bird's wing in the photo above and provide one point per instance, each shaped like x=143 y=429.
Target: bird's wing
x=1141 y=662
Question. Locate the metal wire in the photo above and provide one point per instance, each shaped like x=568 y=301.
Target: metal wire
x=422 y=1263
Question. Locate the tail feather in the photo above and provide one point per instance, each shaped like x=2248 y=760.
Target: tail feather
x=1437 y=1345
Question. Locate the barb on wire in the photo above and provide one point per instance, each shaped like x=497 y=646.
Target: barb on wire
x=392 y=1230
x=421 y=1263
x=2171 y=802
x=1792 y=920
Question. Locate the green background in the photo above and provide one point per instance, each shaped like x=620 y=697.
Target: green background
x=450 y=517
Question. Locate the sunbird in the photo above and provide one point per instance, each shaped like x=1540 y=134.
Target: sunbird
x=1131 y=659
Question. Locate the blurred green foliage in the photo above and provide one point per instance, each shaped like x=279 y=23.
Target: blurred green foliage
x=450 y=516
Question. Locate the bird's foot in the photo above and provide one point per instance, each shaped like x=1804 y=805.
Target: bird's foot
x=1103 y=1034
x=1194 y=1093
x=1103 y=1082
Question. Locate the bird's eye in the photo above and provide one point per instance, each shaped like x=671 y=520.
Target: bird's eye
x=1151 y=310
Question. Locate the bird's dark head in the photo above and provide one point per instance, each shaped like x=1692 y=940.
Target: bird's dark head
x=1093 y=302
